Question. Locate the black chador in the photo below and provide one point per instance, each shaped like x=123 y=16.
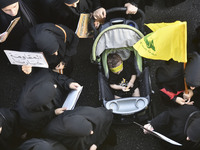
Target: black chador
x=41 y=144
x=27 y=20
x=57 y=11
x=49 y=38
x=73 y=127
x=43 y=92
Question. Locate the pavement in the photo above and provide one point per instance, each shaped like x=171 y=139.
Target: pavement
x=129 y=137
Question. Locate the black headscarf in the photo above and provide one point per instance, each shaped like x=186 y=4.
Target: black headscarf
x=70 y=1
x=41 y=144
x=27 y=19
x=36 y=105
x=58 y=12
x=73 y=127
x=192 y=129
x=196 y=39
x=5 y=3
x=8 y=122
x=168 y=71
x=48 y=38
x=170 y=76
x=192 y=73
x=40 y=97
x=43 y=40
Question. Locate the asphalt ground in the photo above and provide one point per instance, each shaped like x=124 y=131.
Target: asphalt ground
x=129 y=137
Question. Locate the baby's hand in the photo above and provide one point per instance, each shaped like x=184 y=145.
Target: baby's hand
x=130 y=85
x=125 y=89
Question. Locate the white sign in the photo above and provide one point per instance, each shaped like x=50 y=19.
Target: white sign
x=34 y=59
x=72 y=98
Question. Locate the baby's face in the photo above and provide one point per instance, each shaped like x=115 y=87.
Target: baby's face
x=119 y=63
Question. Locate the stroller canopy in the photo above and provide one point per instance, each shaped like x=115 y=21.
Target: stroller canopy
x=113 y=37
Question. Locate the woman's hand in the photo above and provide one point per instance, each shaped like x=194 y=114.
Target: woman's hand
x=59 y=111
x=61 y=66
x=99 y=14
x=3 y=37
x=189 y=95
x=74 y=85
x=181 y=101
x=93 y=147
x=96 y=24
x=27 y=69
x=149 y=127
x=131 y=9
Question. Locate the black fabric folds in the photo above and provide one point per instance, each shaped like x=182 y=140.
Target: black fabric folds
x=70 y=1
x=72 y=128
x=5 y=3
x=192 y=73
x=48 y=38
x=41 y=144
x=43 y=92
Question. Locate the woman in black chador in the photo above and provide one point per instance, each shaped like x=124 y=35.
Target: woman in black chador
x=170 y=81
x=64 y=12
x=83 y=128
x=42 y=97
x=10 y=133
x=11 y=9
x=41 y=144
x=181 y=124
x=57 y=42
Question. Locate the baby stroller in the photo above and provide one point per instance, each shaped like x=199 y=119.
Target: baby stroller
x=118 y=35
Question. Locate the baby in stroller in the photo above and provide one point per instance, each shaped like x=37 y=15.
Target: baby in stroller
x=122 y=76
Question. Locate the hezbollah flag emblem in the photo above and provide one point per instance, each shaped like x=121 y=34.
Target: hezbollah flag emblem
x=168 y=40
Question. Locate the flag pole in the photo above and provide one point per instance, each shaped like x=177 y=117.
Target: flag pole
x=186 y=88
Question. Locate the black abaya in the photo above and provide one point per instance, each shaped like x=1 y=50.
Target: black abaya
x=49 y=38
x=27 y=20
x=41 y=144
x=73 y=127
x=40 y=97
x=172 y=123
x=57 y=12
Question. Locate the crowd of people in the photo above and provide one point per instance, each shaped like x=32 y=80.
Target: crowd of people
x=38 y=121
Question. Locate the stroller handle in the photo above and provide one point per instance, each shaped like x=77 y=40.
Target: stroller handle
x=117 y=9
x=139 y=11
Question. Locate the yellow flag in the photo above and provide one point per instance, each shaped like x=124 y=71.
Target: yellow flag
x=169 y=40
